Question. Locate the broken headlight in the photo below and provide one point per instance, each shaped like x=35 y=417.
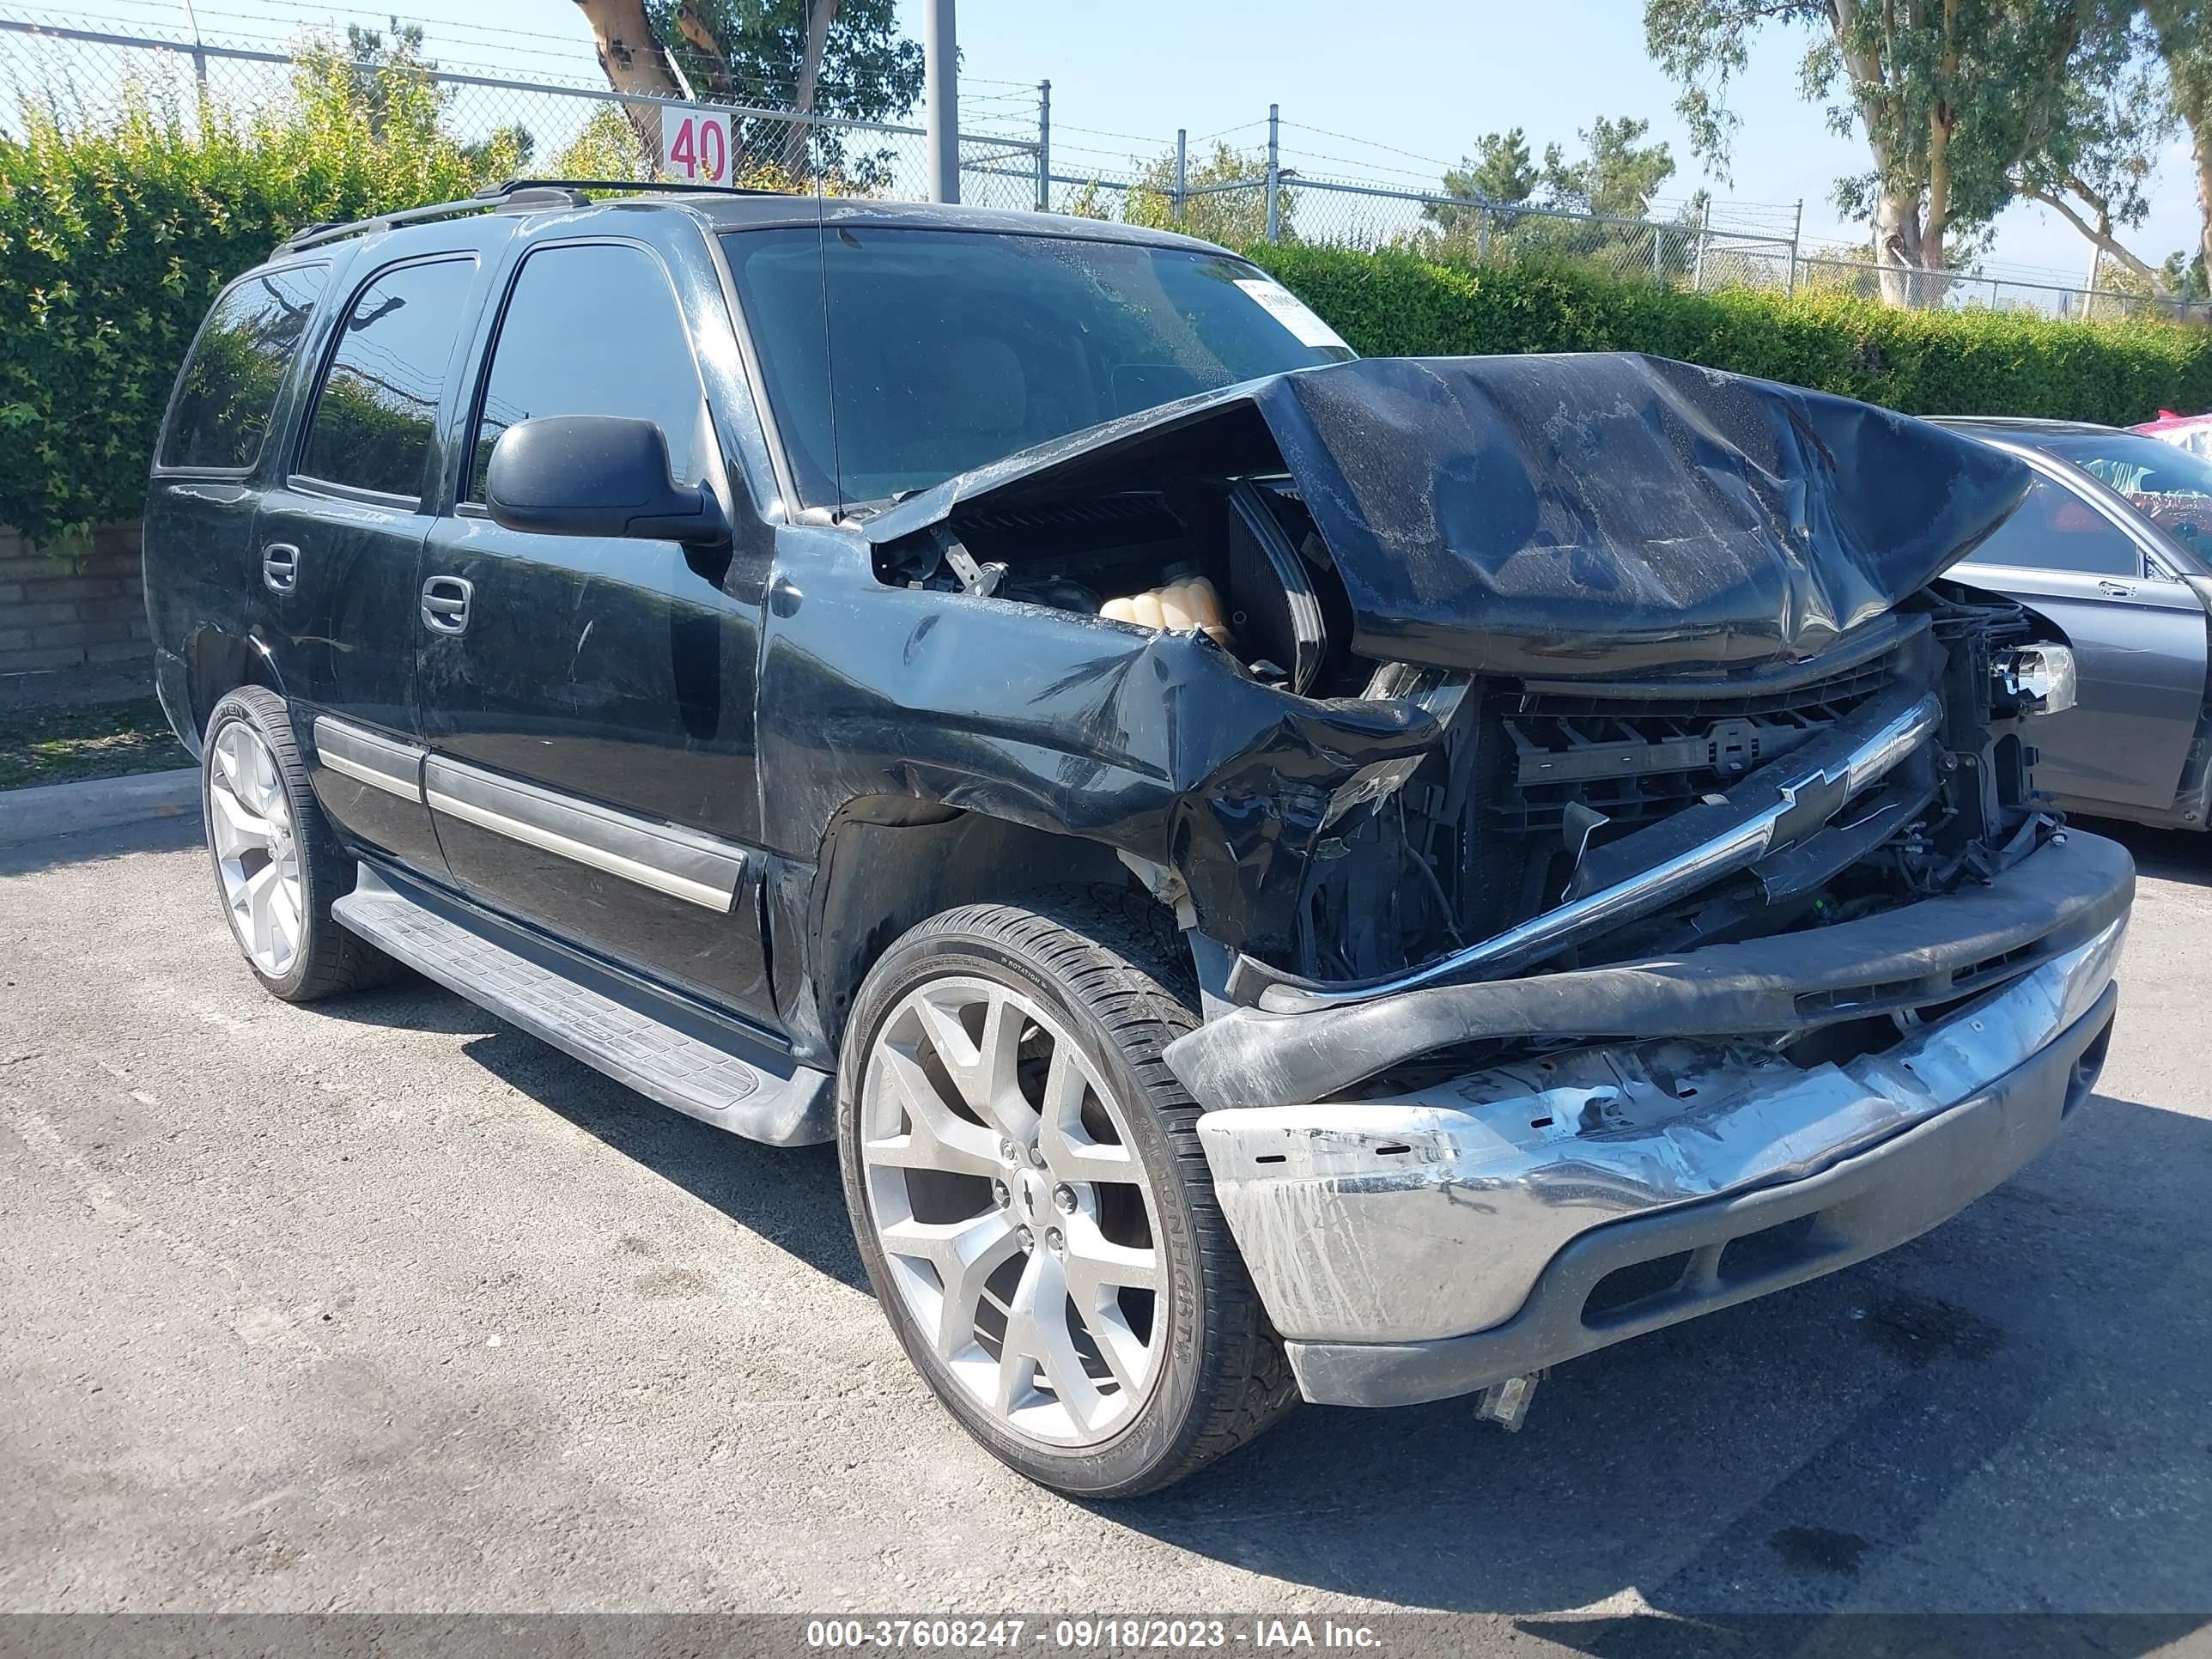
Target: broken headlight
x=2035 y=679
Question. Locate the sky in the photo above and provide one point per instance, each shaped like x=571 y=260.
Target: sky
x=1390 y=93
x=1430 y=77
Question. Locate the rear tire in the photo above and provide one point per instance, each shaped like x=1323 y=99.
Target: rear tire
x=1027 y=1186
x=278 y=866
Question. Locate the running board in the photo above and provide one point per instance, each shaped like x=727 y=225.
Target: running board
x=635 y=1036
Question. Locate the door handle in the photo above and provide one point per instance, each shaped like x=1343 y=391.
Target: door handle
x=446 y=603
x=2118 y=590
x=280 y=567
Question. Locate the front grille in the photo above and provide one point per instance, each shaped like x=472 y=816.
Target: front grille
x=1631 y=762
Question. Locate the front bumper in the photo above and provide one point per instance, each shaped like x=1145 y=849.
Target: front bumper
x=1433 y=1243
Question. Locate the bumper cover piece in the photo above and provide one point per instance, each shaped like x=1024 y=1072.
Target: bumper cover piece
x=1731 y=1249
x=1933 y=951
x=1440 y=1240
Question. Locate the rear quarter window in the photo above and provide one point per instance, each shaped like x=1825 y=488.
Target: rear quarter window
x=376 y=413
x=220 y=418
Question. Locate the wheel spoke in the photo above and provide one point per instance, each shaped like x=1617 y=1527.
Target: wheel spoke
x=226 y=758
x=936 y=1137
x=1069 y=1151
x=284 y=913
x=236 y=827
x=1120 y=1347
x=253 y=901
x=986 y=1072
x=964 y=1254
x=1017 y=1381
x=268 y=791
x=1036 y=1332
x=1095 y=1264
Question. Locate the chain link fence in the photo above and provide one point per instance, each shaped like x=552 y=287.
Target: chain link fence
x=510 y=125
x=1257 y=188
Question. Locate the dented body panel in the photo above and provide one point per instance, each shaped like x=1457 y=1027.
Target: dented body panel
x=1589 y=513
x=1154 y=744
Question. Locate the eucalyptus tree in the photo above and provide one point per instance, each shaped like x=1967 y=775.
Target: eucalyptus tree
x=1953 y=99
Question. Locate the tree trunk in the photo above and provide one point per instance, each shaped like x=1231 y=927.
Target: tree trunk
x=2184 y=45
x=634 y=62
x=693 y=29
x=2098 y=232
x=819 y=15
x=1897 y=251
x=2200 y=134
x=1936 y=225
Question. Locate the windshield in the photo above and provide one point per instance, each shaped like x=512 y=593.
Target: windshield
x=2168 y=485
x=954 y=348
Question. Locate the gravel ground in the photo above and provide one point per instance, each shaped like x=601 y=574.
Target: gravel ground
x=382 y=1305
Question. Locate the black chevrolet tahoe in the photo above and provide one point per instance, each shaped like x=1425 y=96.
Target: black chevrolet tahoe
x=1285 y=876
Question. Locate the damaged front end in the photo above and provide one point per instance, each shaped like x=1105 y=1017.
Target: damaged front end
x=1608 y=844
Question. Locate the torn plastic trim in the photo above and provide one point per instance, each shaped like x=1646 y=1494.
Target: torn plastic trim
x=1818 y=778
x=1434 y=1213
x=1913 y=957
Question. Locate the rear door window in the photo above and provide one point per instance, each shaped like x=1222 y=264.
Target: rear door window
x=2057 y=530
x=376 y=413
x=560 y=353
x=225 y=396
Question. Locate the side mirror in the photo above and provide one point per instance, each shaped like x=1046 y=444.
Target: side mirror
x=597 y=474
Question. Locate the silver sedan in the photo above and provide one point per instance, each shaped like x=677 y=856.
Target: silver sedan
x=2114 y=545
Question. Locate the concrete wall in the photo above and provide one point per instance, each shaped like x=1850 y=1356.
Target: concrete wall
x=72 y=613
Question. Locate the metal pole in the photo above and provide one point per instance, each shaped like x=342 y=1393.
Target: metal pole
x=1704 y=235
x=1274 y=181
x=199 y=58
x=941 y=51
x=1044 y=147
x=1482 y=234
x=1182 y=175
x=1796 y=229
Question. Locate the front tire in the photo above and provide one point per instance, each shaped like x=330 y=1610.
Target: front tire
x=278 y=868
x=1030 y=1198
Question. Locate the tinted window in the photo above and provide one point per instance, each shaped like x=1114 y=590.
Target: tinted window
x=2168 y=485
x=559 y=352
x=951 y=348
x=228 y=388
x=2057 y=530
x=378 y=410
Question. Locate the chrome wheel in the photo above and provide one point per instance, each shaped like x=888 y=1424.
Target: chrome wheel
x=1012 y=1211
x=257 y=852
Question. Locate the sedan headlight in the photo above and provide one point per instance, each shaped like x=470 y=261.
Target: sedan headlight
x=2037 y=679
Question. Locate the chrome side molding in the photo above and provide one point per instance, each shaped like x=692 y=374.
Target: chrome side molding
x=369 y=757
x=681 y=863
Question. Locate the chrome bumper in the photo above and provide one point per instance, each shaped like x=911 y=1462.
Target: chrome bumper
x=1392 y=1239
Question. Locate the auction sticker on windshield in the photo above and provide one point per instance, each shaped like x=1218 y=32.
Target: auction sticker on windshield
x=1291 y=312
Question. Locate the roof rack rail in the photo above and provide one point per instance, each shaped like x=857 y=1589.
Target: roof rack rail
x=519 y=193
x=635 y=186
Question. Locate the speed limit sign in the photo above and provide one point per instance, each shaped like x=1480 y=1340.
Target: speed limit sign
x=694 y=145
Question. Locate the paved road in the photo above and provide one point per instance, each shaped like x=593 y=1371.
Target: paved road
x=383 y=1305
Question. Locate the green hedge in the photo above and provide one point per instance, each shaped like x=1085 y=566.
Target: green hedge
x=113 y=242
x=1973 y=361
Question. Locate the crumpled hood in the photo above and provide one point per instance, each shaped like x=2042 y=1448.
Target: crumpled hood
x=1598 y=512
